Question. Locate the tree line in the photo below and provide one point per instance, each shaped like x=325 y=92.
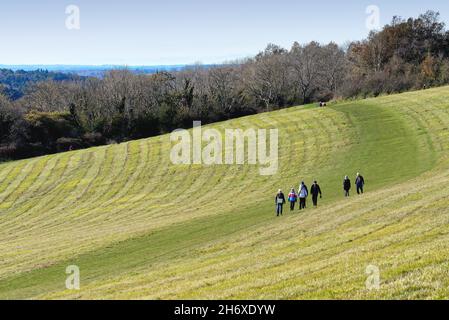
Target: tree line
x=55 y=116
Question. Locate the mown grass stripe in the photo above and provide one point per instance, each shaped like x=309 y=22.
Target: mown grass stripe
x=16 y=183
x=25 y=184
x=11 y=176
x=42 y=198
x=64 y=190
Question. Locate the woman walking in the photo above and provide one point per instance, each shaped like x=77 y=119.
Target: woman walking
x=347 y=186
x=292 y=198
x=302 y=195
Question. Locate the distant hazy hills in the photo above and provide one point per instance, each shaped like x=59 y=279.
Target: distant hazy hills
x=95 y=71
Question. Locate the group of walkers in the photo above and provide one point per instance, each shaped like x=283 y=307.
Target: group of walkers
x=359 y=183
x=315 y=190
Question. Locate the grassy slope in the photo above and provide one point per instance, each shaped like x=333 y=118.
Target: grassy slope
x=139 y=227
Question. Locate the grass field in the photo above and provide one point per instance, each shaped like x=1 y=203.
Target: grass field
x=140 y=227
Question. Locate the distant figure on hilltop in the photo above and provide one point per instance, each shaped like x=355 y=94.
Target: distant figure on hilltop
x=315 y=190
x=347 y=186
x=360 y=183
x=292 y=198
x=303 y=193
x=279 y=200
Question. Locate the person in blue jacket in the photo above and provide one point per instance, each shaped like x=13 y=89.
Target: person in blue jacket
x=360 y=183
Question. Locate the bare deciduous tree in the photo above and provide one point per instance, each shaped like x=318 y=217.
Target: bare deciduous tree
x=332 y=67
x=267 y=76
x=305 y=63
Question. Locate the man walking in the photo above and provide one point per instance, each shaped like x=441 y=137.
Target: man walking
x=360 y=183
x=315 y=190
x=279 y=200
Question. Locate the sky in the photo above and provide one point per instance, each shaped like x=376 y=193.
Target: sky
x=167 y=32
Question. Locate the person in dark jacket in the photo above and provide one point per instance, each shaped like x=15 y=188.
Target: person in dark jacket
x=315 y=190
x=279 y=201
x=360 y=183
x=347 y=186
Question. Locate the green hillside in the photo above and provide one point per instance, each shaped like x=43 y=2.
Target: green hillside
x=140 y=227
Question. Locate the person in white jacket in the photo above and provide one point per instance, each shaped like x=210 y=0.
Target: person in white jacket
x=303 y=193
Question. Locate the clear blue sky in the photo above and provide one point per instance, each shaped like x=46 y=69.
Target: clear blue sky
x=152 y=32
